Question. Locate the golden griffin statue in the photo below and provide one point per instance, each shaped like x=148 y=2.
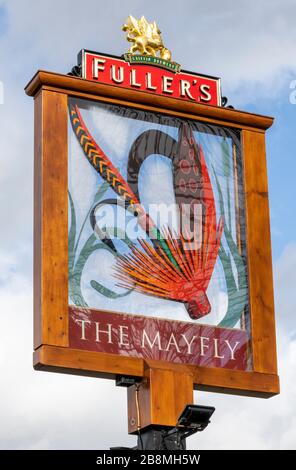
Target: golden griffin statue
x=146 y=38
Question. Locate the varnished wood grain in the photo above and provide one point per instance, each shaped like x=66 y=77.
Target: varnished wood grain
x=238 y=382
x=37 y=220
x=196 y=113
x=51 y=238
x=162 y=103
x=162 y=398
x=259 y=253
x=51 y=220
x=74 y=361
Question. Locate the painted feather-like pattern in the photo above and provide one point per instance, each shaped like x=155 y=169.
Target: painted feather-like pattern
x=148 y=270
x=171 y=266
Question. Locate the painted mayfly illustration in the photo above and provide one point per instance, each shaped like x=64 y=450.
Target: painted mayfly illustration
x=166 y=265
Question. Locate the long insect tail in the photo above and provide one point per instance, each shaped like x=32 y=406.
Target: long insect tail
x=98 y=159
x=103 y=165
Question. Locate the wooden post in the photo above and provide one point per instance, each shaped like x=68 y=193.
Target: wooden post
x=161 y=397
x=51 y=220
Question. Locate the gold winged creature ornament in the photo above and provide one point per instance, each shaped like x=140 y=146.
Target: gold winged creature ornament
x=146 y=38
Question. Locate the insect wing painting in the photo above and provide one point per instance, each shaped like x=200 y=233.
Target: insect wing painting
x=157 y=244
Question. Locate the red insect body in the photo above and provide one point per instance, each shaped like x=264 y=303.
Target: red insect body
x=150 y=270
x=176 y=267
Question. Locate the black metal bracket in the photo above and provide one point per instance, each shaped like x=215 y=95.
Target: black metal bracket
x=126 y=380
x=224 y=101
x=76 y=71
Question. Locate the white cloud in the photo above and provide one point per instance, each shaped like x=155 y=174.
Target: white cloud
x=236 y=40
x=251 y=423
x=54 y=411
x=43 y=410
x=251 y=46
x=254 y=423
x=285 y=296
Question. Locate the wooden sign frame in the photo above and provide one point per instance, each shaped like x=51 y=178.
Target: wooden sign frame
x=51 y=344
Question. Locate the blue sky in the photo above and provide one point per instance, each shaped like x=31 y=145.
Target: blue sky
x=252 y=49
x=281 y=146
x=3 y=20
x=281 y=164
